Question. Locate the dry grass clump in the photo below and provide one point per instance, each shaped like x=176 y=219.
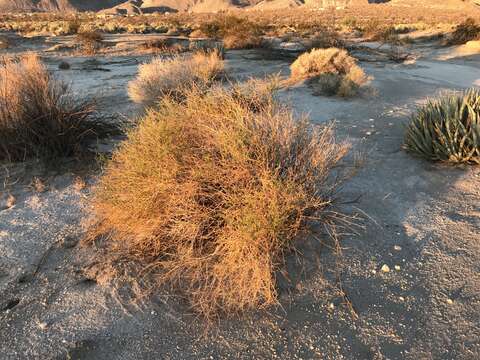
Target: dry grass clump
x=329 y=71
x=236 y=32
x=447 y=129
x=466 y=31
x=173 y=76
x=210 y=194
x=38 y=114
x=90 y=41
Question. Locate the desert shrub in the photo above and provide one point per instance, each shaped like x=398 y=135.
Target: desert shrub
x=447 y=129
x=210 y=194
x=89 y=40
x=174 y=75
x=166 y=45
x=329 y=71
x=325 y=39
x=236 y=32
x=465 y=32
x=39 y=116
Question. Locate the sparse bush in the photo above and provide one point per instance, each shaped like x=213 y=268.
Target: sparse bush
x=465 y=32
x=39 y=116
x=173 y=76
x=447 y=129
x=329 y=71
x=210 y=194
x=90 y=41
x=325 y=39
x=236 y=32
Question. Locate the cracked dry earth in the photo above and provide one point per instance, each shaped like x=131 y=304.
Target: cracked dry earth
x=421 y=222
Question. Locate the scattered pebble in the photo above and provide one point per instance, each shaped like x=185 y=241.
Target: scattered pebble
x=368 y=133
x=449 y=301
x=401 y=298
x=385 y=268
x=397 y=267
x=397 y=248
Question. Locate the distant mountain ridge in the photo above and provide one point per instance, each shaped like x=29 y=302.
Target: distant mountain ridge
x=138 y=6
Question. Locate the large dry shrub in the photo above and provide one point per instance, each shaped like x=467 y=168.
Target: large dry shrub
x=330 y=71
x=172 y=76
x=39 y=116
x=210 y=194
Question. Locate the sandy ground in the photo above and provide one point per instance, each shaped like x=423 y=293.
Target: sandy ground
x=420 y=219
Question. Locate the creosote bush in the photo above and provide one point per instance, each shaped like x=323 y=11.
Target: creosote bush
x=466 y=31
x=208 y=195
x=90 y=41
x=236 y=32
x=39 y=116
x=172 y=76
x=329 y=71
x=447 y=129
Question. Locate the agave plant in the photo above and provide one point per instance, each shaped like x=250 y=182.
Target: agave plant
x=447 y=129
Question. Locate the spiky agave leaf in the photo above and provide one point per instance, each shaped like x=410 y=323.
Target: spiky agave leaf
x=447 y=129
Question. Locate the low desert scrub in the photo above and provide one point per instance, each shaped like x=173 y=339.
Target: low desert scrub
x=39 y=116
x=209 y=195
x=236 y=32
x=447 y=129
x=465 y=32
x=329 y=71
x=173 y=76
x=90 y=41
x=166 y=45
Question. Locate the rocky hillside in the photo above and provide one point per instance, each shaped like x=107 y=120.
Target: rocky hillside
x=138 y=6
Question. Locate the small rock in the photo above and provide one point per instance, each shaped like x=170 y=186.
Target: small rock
x=401 y=298
x=397 y=248
x=70 y=241
x=385 y=268
x=64 y=65
x=292 y=46
x=449 y=301
x=397 y=267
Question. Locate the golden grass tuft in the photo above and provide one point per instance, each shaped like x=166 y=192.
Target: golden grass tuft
x=90 y=41
x=208 y=195
x=174 y=75
x=329 y=71
x=39 y=116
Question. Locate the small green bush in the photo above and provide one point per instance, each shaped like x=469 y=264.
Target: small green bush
x=447 y=129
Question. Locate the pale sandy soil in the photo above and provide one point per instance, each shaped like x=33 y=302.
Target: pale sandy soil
x=420 y=219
